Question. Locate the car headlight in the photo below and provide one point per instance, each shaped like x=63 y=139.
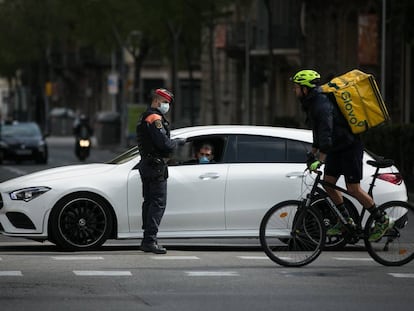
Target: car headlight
x=28 y=194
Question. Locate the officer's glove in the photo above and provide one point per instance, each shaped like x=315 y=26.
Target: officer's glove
x=315 y=165
x=310 y=158
x=179 y=141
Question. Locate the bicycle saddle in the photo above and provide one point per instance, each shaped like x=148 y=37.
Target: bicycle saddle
x=381 y=163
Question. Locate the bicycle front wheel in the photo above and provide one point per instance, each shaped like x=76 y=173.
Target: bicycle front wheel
x=290 y=238
x=396 y=246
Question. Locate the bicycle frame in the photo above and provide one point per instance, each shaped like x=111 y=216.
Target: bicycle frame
x=317 y=190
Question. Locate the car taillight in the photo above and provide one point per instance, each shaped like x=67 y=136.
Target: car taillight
x=394 y=178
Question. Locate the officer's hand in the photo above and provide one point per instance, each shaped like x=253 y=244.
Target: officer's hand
x=315 y=165
x=180 y=141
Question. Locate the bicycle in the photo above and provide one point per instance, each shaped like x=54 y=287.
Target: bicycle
x=293 y=232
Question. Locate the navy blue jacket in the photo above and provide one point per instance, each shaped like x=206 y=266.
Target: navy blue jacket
x=331 y=131
x=153 y=135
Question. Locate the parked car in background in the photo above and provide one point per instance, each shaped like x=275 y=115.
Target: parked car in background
x=79 y=207
x=22 y=141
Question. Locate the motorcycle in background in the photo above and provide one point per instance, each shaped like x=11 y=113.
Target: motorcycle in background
x=83 y=147
x=83 y=133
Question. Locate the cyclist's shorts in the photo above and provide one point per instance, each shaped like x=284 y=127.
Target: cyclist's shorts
x=347 y=162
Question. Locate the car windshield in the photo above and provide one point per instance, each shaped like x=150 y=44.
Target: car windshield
x=125 y=157
x=20 y=130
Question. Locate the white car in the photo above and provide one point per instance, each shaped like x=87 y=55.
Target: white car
x=81 y=206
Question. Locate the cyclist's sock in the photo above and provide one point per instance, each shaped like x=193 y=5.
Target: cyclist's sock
x=341 y=207
x=378 y=214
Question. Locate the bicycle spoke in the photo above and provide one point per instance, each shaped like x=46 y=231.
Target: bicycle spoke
x=396 y=246
x=288 y=242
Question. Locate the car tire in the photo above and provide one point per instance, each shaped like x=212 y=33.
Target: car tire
x=80 y=221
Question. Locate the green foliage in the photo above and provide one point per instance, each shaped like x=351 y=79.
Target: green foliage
x=29 y=29
x=395 y=141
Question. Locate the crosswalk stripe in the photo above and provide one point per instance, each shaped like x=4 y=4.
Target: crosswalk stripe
x=175 y=257
x=352 y=259
x=212 y=273
x=101 y=273
x=402 y=275
x=253 y=257
x=11 y=273
x=78 y=258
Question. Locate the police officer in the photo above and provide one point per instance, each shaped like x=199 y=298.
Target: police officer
x=155 y=145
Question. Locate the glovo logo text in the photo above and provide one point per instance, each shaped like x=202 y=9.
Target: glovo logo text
x=348 y=104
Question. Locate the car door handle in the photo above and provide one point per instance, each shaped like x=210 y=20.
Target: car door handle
x=293 y=175
x=208 y=176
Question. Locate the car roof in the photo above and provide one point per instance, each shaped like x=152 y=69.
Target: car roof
x=291 y=133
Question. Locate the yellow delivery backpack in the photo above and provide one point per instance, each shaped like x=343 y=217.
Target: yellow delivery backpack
x=359 y=100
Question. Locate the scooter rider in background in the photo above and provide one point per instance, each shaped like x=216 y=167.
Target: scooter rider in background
x=81 y=128
x=82 y=131
x=155 y=145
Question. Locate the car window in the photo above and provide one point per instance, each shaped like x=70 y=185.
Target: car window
x=263 y=149
x=125 y=157
x=185 y=155
x=296 y=151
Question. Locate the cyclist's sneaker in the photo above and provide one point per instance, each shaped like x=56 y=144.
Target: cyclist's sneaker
x=380 y=228
x=336 y=229
x=339 y=228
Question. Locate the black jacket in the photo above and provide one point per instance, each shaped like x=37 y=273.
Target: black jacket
x=331 y=131
x=153 y=135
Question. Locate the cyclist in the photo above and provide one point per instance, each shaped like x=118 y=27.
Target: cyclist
x=338 y=148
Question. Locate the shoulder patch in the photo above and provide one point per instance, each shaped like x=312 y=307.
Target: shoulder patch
x=158 y=124
x=152 y=118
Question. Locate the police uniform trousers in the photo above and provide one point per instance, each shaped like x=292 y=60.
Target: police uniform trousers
x=154 y=191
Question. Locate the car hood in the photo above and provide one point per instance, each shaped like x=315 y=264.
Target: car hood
x=65 y=172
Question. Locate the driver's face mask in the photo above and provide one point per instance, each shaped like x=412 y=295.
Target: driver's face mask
x=203 y=160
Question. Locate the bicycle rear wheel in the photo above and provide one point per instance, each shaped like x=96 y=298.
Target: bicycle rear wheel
x=289 y=239
x=396 y=246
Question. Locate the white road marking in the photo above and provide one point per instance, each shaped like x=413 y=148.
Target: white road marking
x=78 y=258
x=402 y=275
x=253 y=257
x=101 y=273
x=175 y=257
x=11 y=273
x=352 y=259
x=212 y=273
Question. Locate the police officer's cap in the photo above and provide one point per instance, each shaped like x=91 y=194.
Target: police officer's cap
x=165 y=94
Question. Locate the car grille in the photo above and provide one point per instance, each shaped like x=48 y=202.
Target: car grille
x=20 y=220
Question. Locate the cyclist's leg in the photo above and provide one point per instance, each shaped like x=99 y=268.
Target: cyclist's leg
x=353 y=176
x=358 y=193
x=335 y=195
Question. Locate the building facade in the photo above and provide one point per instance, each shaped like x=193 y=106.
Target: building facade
x=245 y=78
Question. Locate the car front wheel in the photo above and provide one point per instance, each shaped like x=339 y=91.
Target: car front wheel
x=80 y=221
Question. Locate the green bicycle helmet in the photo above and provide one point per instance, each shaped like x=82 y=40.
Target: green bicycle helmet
x=306 y=77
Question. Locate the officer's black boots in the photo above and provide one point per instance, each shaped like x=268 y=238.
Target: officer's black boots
x=153 y=248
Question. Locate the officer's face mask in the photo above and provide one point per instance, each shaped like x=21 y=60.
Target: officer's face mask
x=164 y=107
x=203 y=160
